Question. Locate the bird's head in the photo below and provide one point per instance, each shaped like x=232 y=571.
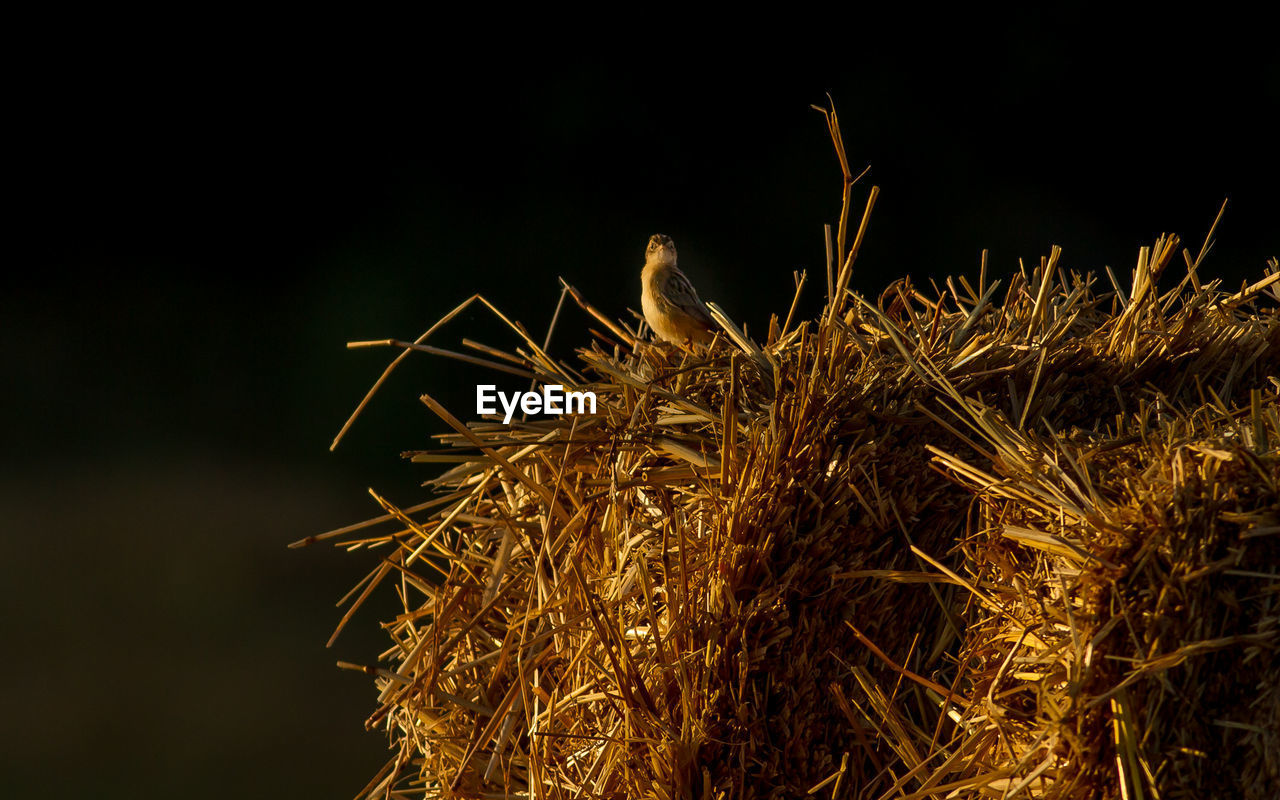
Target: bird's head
x=661 y=250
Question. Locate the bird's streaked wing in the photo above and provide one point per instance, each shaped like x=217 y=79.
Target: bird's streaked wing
x=681 y=293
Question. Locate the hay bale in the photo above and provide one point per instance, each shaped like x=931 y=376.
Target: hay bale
x=1011 y=540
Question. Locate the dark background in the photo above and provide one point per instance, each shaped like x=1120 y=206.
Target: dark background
x=197 y=228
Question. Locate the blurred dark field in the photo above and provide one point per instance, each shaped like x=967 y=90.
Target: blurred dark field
x=200 y=230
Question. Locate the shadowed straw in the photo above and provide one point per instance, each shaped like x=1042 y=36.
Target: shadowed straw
x=1016 y=540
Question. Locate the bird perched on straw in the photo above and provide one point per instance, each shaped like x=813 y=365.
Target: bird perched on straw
x=671 y=305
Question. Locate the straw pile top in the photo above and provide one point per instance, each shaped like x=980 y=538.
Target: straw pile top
x=1011 y=539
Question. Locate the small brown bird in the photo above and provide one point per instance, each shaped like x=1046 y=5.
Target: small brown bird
x=670 y=303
